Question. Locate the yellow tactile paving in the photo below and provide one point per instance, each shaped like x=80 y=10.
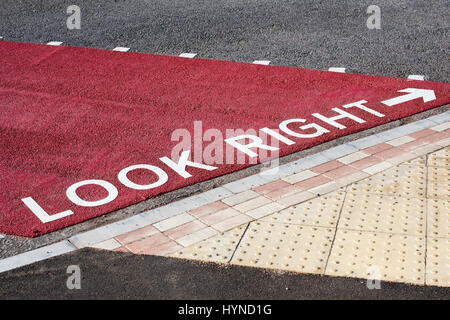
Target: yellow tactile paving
x=398 y=257
x=322 y=211
x=438 y=262
x=438 y=222
x=439 y=158
x=383 y=224
x=285 y=246
x=395 y=222
x=219 y=248
x=420 y=161
x=402 y=180
x=381 y=213
x=438 y=182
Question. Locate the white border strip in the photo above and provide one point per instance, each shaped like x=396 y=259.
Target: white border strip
x=121 y=49
x=36 y=255
x=335 y=69
x=262 y=62
x=416 y=77
x=187 y=55
x=54 y=43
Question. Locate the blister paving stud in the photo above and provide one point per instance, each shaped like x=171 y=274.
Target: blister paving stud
x=380 y=213
x=402 y=180
x=322 y=211
x=438 y=262
x=399 y=258
x=439 y=158
x=419 y=161
x=438 y=222
x=438 y=182
x=219 y=248
x=285 y=246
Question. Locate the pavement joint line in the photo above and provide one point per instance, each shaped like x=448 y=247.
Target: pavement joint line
x=411 y=234
x=54 y=43
x=337 y=69
x=239 y=242
x=121 y=49
x=146 y=218
x=303 y=224
x=262 y=62
x=335 y=232
x=187 y=55
x=346 y=229
x=426 y=216
x=389 y=195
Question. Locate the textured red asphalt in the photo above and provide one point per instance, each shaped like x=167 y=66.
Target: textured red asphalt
x=71 y=114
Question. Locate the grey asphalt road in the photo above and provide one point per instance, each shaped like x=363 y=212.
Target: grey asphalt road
x=116 y=275
x=315 y=34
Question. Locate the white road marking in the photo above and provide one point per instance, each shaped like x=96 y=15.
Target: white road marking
x=334 y=69
x=263 y=62
x=416 y=77
x=41 y=214
x=412 y=93
x=187 y=55
x=121 y=49
x=1 y=236
x=54 y=43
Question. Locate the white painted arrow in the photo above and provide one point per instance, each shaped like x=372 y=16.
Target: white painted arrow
x=413 y=93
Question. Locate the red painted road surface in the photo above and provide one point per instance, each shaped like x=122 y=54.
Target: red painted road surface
x=68 y=115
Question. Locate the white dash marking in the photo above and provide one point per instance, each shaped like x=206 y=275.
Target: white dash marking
x=54 y=43
x=1 y=236
x=334 y=69
x=416 y=77
x=121 y=49
x=263 y=62
x=187 y=55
